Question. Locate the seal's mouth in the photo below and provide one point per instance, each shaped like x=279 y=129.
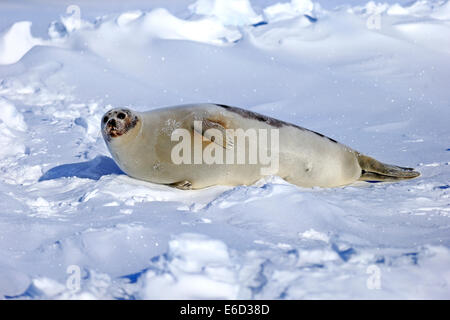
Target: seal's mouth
x=115 y=129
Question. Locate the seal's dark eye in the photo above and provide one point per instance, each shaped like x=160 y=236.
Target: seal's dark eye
x=121 y=116
x=105 y=119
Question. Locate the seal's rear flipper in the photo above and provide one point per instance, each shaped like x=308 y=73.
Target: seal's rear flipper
x=373 y=170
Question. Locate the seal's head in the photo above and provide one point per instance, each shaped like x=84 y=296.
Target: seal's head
x=117 y=122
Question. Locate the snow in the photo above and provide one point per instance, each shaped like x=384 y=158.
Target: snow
x=228 y=12
x=288 y=10
x=372 y=76
x=16 y=41
x=192 y=258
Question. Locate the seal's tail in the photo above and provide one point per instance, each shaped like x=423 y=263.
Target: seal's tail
x=373 y=170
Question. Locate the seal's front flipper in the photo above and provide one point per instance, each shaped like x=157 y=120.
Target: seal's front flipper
x=183 y=185
x=216 y=132
x=374 y=170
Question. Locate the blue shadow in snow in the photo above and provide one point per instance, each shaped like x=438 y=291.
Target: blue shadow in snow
x=261 y=23
x=134 y=277
x=94 y=169
x=414 y=256
x=310 y=18
x=346 y=254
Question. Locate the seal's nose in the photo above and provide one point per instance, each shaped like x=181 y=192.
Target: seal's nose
x=112 y=123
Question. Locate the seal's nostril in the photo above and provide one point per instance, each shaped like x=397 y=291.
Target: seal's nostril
x=112 y=123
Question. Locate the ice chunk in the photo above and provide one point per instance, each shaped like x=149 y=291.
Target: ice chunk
x=161 y=23
x=127 y=17
x=314 y=235
x=16 y=42
x=198 y=267
x=229 y=12
x=289 y=10
x=10 y=116
x=11 y=123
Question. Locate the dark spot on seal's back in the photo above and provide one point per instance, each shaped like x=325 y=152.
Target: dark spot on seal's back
x=323 y=136
x=270 y=121
x=255 y=116
x=332 y=140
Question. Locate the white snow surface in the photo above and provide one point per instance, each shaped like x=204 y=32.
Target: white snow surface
x=374 y=76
